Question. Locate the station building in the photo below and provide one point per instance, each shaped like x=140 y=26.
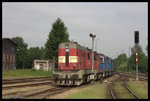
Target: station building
x=9 y=49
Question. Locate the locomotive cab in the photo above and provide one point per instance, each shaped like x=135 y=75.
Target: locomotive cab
x=67 y=72
x=68 y=56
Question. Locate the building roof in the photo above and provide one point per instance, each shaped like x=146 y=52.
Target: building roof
x=10 y=41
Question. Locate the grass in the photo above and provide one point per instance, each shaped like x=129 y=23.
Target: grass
x=96 y=91
x=121 y=91
x=19 y=73
x=139 y=88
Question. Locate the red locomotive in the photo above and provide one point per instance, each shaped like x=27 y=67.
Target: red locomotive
x=75 y=65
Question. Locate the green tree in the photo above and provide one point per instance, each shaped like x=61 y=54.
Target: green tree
x=21 y=52
x=33 y=54
x=42 y=53
x=57 y=35
x=147 y=49
x=142 y=59
x=120 y=63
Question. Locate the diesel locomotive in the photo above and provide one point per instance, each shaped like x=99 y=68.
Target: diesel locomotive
x=75 y=65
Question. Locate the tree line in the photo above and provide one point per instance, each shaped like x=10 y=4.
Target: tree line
x=123 y=63
x=25 y=56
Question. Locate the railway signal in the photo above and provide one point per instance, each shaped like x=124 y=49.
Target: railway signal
x=136 y=35
x=92 y=72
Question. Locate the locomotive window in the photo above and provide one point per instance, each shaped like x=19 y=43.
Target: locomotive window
x=67 y=59
x=101 y=60
x=67 y=46
x=88 y=56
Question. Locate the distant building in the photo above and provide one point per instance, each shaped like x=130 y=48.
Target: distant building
x=42 y=64
x=9 y=49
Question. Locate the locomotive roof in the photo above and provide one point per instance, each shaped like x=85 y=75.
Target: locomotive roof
x=75 y=45
x=78 y=46
x=105 y=56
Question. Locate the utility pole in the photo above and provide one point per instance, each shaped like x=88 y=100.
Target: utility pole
x=128 y=61
x=96 y=45
x=129 y=66
x=136 y=61
x=92 y=72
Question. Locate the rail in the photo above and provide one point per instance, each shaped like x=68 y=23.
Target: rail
x=24 y=85
x=131 y=90
x=111 y=92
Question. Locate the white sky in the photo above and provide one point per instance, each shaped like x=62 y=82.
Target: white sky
x=113 y=23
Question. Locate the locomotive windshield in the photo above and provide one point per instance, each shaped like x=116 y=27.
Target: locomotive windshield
x=101 y=60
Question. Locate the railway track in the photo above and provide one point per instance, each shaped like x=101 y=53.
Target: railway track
x=42 y=93
x=132 y=74
x=115 y=95
x=55 y=92
x=22 y=92
x=142 y=77
x=131 y=90
x=12 y=87
x=111 y=92
x=38 y=93
x=19 y=91
x=21 y=80
x=27 y=85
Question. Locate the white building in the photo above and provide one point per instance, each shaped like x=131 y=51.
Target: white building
x=42 y=64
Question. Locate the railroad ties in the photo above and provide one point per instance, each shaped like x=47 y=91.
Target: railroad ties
x=14 y=88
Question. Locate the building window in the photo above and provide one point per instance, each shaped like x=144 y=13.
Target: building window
x=13 y=58
x=10 y=57
x=6 y=57
x=3 y=57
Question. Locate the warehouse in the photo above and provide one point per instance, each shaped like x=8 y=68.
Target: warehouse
x=9 y=49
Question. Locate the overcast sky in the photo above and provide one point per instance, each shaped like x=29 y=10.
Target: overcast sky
x=113 y=23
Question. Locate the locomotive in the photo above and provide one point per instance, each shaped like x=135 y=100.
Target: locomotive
x=75 y=65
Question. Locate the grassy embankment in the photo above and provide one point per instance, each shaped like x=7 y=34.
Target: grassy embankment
x=96 y=91
x=139 y=88
x=19 y=73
